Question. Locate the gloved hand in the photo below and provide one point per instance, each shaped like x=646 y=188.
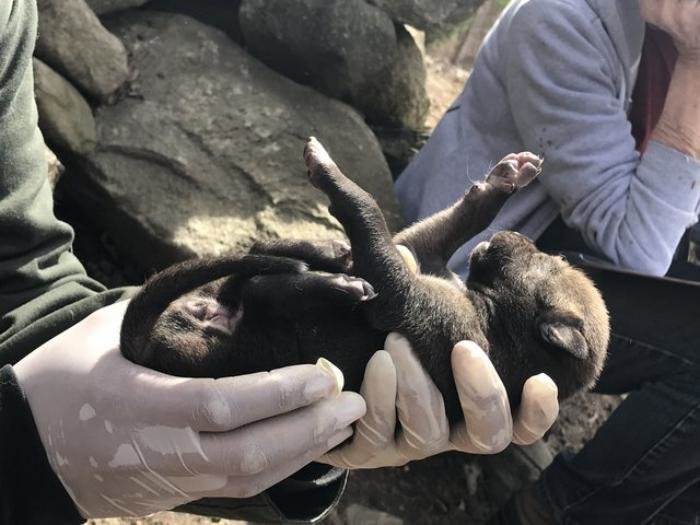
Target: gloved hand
x=395 y=384
x=126 y=440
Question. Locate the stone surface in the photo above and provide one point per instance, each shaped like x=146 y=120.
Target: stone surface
x=222 y=14
x=424 y=14
x=337 y=46
x=65 y=118
x=206 y=156
x=109 y=6
x=74 y=42
x=357 y=514
x=397 y=96
x=399 y=146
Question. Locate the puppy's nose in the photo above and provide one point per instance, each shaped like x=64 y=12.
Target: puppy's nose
x=482 y=246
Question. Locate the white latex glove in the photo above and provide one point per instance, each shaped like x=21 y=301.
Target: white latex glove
x=128 y=441
x=400 y=394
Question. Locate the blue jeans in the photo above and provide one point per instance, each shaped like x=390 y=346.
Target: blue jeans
x=643 y=465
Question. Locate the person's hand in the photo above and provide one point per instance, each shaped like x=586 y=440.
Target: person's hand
x=678 y=18
x=126 y=440
x=400 y=394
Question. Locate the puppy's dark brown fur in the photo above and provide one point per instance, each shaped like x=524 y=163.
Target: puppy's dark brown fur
x=293 y=301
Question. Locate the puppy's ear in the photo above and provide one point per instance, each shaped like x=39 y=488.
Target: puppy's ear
x=563 y=329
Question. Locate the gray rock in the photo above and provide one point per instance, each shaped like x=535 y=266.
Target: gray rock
x=222 y=14
x=65 y=118
x=337 y=46
x=357 y=514
x=209 y=157
x=400 y=145
x=397 y=95
x=109 y=6
x=74 y=42
x=425 y=14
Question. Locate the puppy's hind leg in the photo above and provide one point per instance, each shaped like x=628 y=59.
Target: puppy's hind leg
x=375 y=258
x=303 y=295
x=326 y=256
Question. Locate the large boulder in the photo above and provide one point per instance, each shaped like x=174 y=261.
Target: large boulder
x=109 y=6
x=337 y=46
x=222 y=14
x=74 y=42
x=207 y=156
x=425 y=14
x=65 y=118
x=397 y=96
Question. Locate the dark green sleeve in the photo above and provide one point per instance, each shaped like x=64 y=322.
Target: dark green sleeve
x=43 y=287
x=29 y=490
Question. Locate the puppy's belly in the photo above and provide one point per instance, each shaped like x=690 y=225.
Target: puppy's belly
x=347 y=343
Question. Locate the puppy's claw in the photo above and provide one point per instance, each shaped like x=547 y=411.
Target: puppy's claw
x=359 y=289
x=318 y=161
x=369 y=292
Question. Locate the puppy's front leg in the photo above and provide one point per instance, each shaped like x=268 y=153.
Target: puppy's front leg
x=434 y=239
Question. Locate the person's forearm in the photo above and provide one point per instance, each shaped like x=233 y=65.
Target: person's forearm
x=679 y=124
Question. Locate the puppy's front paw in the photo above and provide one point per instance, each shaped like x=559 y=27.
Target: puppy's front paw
x=318 y=162
x=515 y=171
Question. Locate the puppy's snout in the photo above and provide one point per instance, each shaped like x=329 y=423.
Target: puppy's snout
x=514 y=240
x=478 y=252
x=482 y=246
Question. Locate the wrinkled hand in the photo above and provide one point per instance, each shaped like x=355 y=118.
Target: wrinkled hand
x=400 y=394
x=126 y=440
x=678 y=18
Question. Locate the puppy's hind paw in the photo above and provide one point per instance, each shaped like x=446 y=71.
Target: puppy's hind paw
x=318 y=161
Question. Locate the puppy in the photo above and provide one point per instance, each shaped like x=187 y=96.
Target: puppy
x=292 y=302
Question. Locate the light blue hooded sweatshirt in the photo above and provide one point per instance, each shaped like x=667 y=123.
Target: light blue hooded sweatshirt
x=555 y=77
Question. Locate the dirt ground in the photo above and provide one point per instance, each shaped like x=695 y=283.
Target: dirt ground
x=446 y=489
